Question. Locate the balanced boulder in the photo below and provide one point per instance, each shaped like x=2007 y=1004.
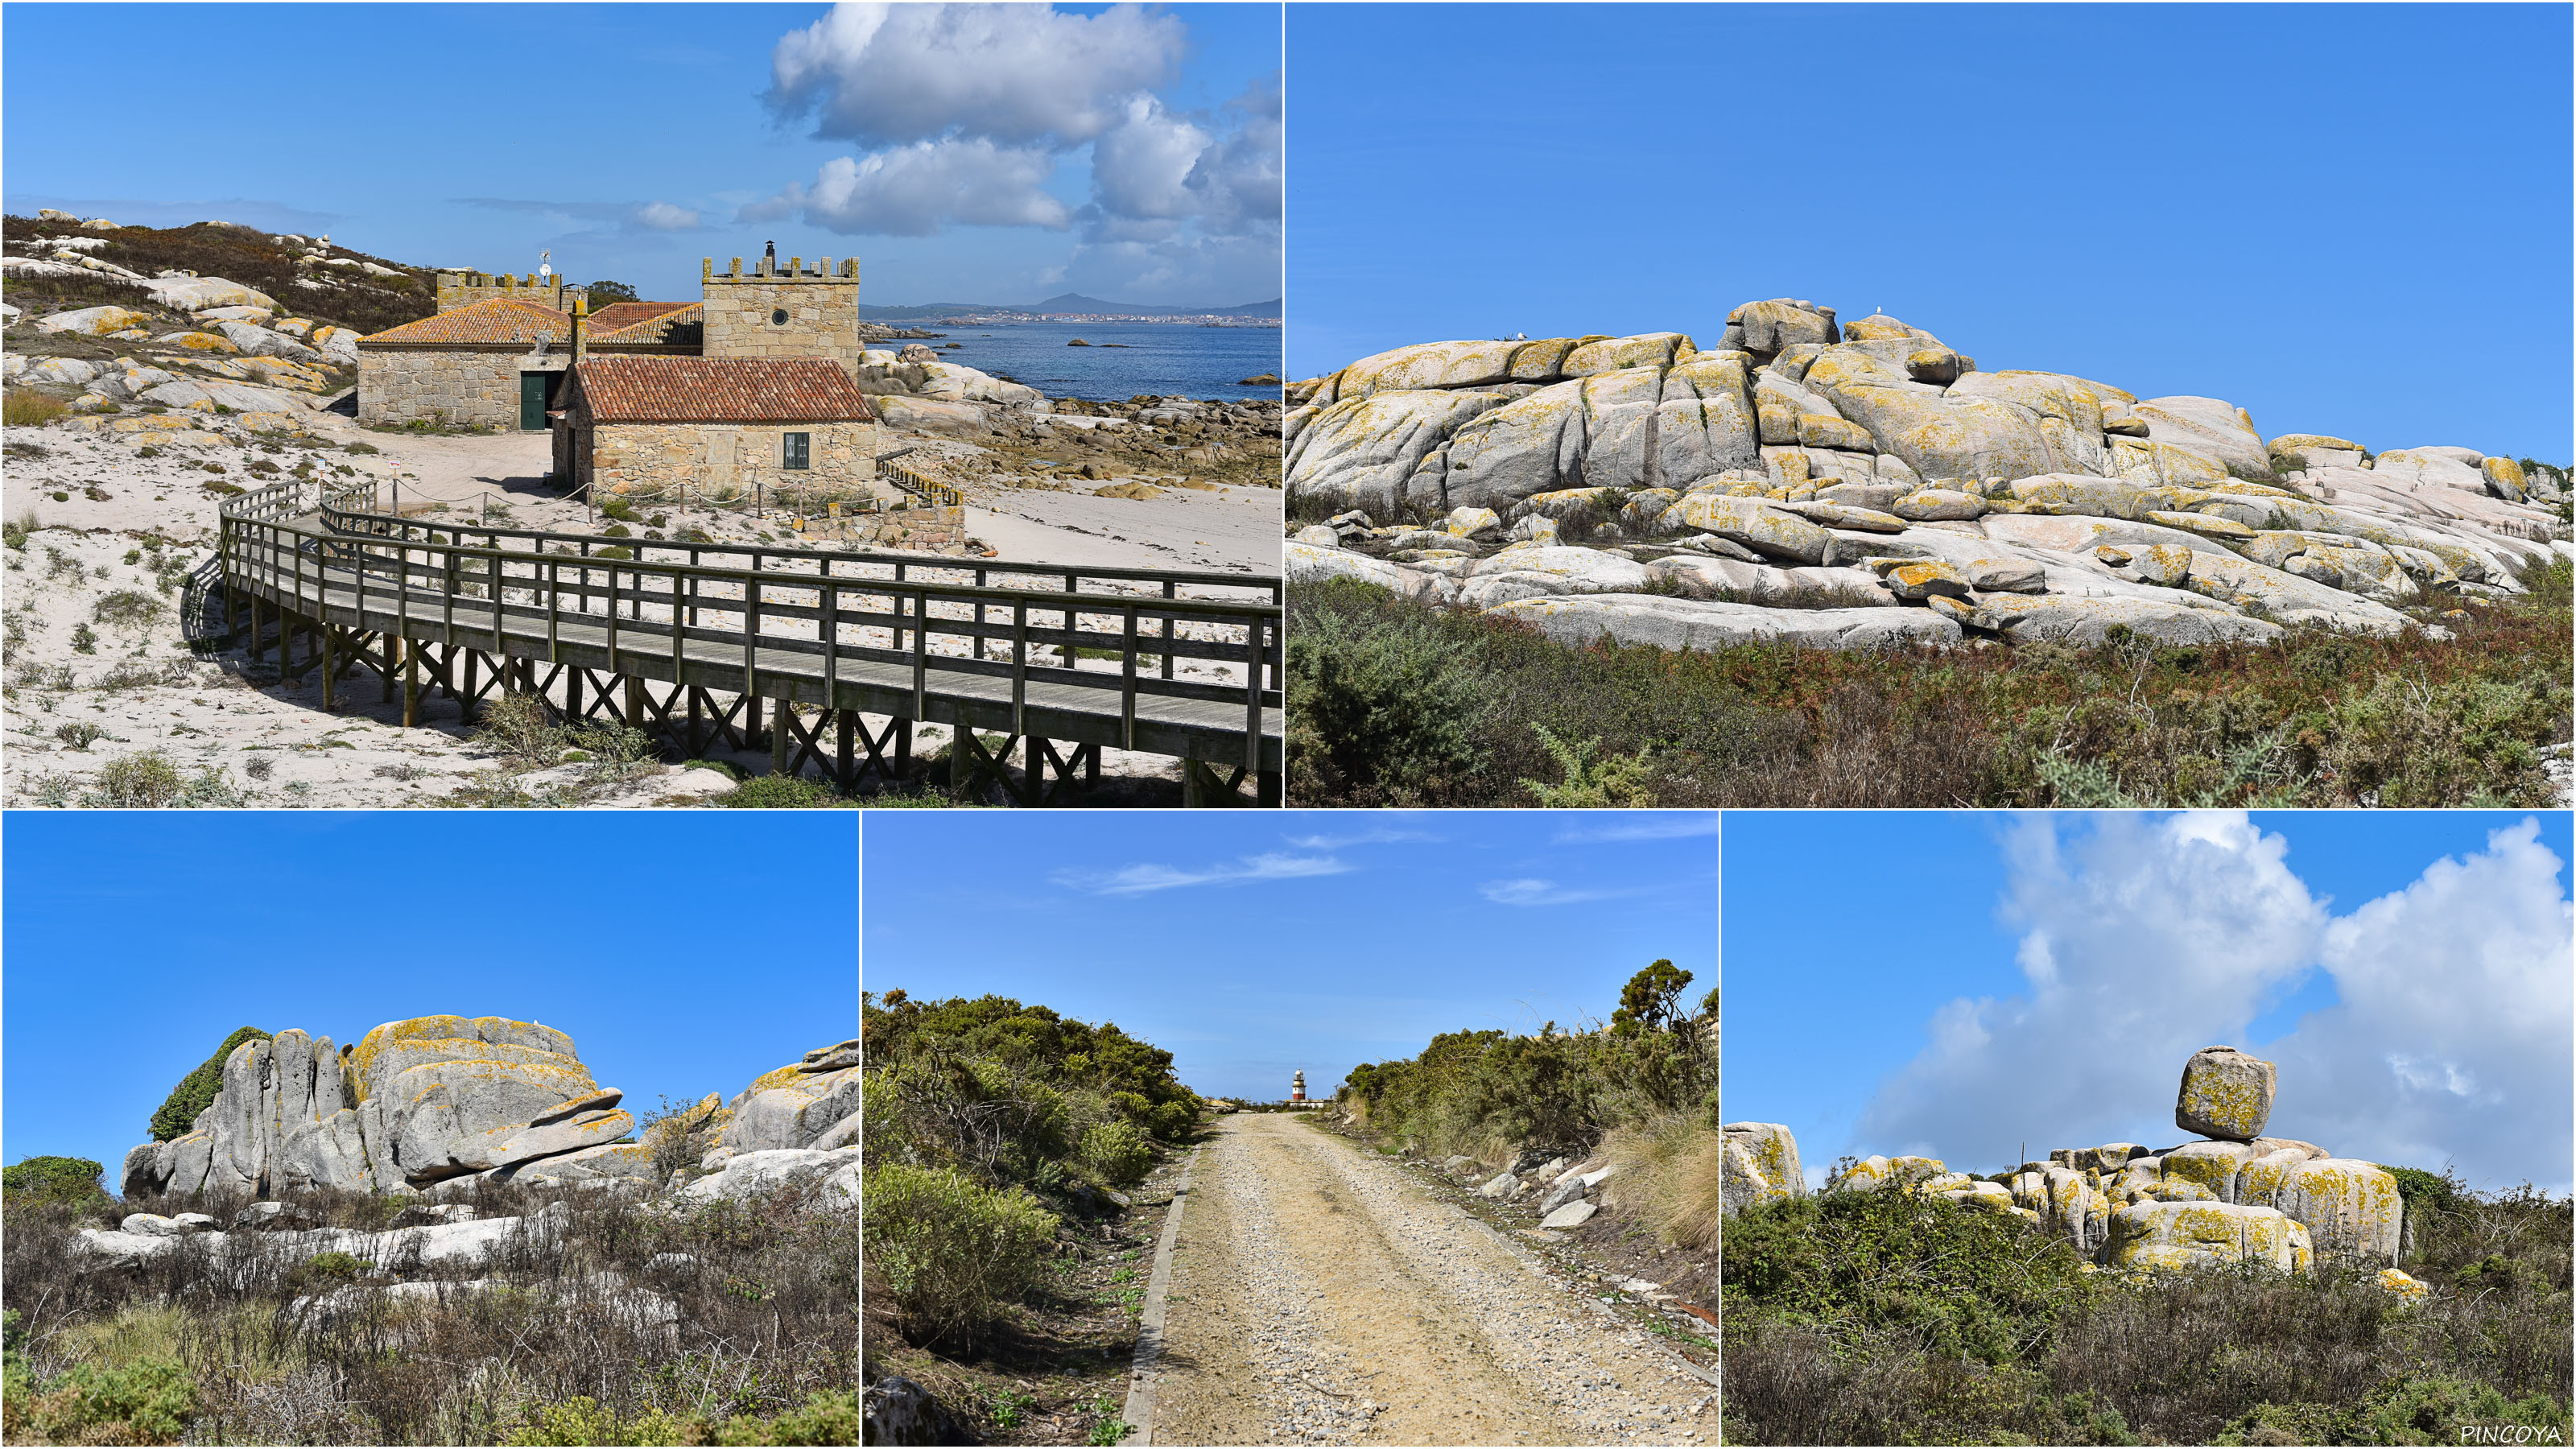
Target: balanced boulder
x=2225 y=1094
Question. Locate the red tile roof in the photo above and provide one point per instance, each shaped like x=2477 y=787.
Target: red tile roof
x=721 y=390
x=627 y=314
x=655 y=328
x=499 y=319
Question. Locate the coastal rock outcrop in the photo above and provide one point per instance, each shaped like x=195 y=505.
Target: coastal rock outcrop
x=1803 y=442
x=2231 y=1196
x=812 y=1103
x=410 y=1104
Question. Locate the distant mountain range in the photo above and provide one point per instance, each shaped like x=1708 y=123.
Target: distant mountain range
x=1068 y=302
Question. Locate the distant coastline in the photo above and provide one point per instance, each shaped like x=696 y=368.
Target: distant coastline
x=1074 y=307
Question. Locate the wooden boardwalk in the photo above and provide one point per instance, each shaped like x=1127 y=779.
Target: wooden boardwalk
x=700 y=641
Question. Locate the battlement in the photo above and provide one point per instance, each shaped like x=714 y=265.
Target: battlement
x=763 y=269
x=458 y=289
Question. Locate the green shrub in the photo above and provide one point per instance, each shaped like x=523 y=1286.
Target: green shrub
x=1377 y=698
x=129 y=608
x=2403 y=1411
x=331 y=1267
x=53 y=1179
x=825 y=1417
x=952 y=1255
x=145 y=780
x=1118 y=1152
x=1555 y=1089
x=1961 y=1282
x=177 y=1115
x=779 y=792
x=149 y=1402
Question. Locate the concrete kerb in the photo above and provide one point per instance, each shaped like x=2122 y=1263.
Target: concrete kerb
x=1139 y=1412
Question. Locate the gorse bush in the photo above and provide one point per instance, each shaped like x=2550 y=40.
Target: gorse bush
x=1010 y=1094
x=177 y=1115
x=980 y=1117
x=1890 y=1318
x=1553 y=1090
x=1395 y=703
x=951 y=1254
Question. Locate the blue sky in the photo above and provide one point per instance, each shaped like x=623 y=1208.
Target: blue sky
x=1253 y=945
x=953 y=154
x=2347 y=219
x=1968 y=983
x=685 y=953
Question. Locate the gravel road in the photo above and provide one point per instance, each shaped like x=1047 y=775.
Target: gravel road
x=1319 y=1296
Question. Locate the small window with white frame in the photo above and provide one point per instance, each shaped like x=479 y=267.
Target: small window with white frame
x=795 y=451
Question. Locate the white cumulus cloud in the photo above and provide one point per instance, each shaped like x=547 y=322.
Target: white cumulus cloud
x=912 y=190
x=2152 y=937
x=2449 y=1040
x=962 y=113
x=882 y=75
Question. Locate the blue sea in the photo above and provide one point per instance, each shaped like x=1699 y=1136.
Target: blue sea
x=1164 y=358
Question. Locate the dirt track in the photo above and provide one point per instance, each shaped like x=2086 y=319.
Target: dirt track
x=1319 y=1296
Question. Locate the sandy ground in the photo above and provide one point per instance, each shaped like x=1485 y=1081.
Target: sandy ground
x=1319 y=1296
x=74 y=705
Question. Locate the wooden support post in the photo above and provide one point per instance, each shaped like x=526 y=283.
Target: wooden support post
x=692 y=746
x=411 y=684
x=846 y=774
x=393 y=647
x=902 y=748
x=254 y=645
x=1267 y=783
x=465 y=703
x=330 y=689
x=635 y=701
x=779 y=747
x=572 y=694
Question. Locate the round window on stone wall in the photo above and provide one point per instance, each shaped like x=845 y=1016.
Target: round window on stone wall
x=778 y=318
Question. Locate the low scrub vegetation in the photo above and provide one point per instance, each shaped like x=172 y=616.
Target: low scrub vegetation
x=1556 y=1090
x=986 y=1120
x=724 y=1323
x=1393 y=703
x=1887 y=1318
x=357 y=298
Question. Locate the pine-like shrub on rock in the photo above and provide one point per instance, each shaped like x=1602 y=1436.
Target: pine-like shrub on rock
x=177 y=1116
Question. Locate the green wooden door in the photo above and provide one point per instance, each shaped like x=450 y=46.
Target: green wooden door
x=532 y=401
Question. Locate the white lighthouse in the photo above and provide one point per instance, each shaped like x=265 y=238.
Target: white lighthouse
x=1297 y=1087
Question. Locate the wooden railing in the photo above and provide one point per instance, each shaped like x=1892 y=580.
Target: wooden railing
x=989 y=645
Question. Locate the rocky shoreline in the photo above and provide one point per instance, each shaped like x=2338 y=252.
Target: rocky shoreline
x=1862 y=484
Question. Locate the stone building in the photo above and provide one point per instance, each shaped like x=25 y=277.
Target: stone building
x=774 y=311
x=494 y=354
x=464 y=289
x=491 y=363
x=494 y=363
x=718 y=426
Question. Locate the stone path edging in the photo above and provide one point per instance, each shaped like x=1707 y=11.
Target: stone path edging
x=1139 y=1413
